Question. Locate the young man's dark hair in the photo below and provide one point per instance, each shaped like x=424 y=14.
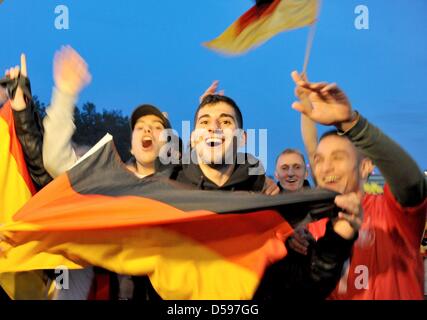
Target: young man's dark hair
x=217 y=98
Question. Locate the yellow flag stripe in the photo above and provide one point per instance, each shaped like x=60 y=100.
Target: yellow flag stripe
x=14 y=192
x=180 y=268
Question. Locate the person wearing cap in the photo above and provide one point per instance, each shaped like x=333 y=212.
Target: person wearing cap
x=71 y=75
x=147 y=122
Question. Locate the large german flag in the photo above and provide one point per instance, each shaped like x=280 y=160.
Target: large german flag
x=193 y=244
x=263 y=21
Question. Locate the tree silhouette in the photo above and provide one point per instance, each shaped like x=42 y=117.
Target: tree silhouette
x=40 y=107
x=91 y=126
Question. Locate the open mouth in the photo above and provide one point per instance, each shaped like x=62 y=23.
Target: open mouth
x=214 y=142
x=331 y=179
x=291 y=180
x=147 y=142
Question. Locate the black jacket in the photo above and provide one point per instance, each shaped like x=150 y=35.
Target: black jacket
x=240 y=179
x=29 y=130
x=311 y=277
x=306 y=184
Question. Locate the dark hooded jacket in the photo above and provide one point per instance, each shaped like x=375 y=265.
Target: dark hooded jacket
x=240 y=179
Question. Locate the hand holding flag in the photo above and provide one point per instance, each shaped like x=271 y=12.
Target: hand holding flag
x=328 y=104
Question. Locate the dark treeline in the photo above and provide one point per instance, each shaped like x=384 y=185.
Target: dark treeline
x=92 y=125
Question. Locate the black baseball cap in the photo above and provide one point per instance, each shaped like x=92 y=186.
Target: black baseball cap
x=145 y=110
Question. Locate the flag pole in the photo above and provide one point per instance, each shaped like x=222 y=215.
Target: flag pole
x=310 y=40
x=309 y=46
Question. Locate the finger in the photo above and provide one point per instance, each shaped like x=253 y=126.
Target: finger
x=297 y=79
x=214 y=84
x=301 y=107
x=354 y=221
x=349 y=202
x=269 y=191
x=303 y=243
x=301 y=240
x=318 y=86
x=301 y=92
x=349 y=207
x=212 y=88
x=297 y=247
x=315 y=95
x=304 y=76
x=275 y=192
x=24 y=65
x=272 y=191
x=294 y=244
x=14 y=72
x=329 y=87
x=308 y=236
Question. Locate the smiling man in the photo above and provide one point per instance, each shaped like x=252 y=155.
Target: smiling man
x=386 y=262
x=217 y=123
x=213 y=162
x=291 y=170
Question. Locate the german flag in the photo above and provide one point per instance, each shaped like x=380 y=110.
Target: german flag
x=16 y=188
x=262 y=22
x=193 y=244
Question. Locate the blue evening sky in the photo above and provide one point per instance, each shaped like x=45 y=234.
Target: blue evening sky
x=150 y=51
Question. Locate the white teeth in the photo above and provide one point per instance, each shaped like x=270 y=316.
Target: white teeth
x=330 y=179
x=146 y=139
x=214 y=142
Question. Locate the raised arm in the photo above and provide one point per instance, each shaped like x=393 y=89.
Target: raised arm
x=71 y=75
x=308 y=126
x=309 y=137
x=28 y=127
